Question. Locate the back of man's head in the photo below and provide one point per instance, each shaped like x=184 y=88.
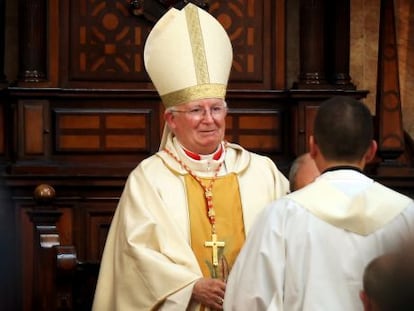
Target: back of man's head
x=379 y=292
x=388 y=282
x=343 y=129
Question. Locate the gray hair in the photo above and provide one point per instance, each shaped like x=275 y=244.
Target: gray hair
x=171 y=109
x=294 y=170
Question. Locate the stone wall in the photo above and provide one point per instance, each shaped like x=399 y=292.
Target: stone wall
x=364 y=51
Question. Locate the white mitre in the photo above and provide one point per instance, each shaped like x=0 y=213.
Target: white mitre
x=188 y=56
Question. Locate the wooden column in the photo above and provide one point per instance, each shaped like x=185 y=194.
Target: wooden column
x=33 y=51
x=324 y=45
x=312 y=44
x=2 y=39
x=46 y=236
x=338 y=43
x=8 y=266
x=388 y=101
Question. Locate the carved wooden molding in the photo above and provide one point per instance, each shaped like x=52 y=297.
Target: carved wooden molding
x=388 y=101
x=152 y=10
x=33 y=63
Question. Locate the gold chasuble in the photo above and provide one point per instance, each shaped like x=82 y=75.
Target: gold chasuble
x=229 y=226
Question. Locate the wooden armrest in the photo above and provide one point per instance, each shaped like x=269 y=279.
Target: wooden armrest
x=75 y=280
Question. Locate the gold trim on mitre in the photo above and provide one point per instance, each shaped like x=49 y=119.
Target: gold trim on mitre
x=188 y=56
x=197 y=44
x=193 y=93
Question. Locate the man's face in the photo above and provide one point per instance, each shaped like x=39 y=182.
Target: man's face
x=199 y=125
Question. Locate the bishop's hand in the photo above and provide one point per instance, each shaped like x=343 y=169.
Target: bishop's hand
x=209 y=292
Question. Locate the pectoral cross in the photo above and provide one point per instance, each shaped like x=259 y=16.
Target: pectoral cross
x=214 y=244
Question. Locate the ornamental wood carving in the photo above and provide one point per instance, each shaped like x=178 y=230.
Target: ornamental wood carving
x=107 y=41
x=388 y=101
x=154 y=9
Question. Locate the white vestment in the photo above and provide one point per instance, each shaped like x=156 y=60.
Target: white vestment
x=148 y=263
x=308 y=250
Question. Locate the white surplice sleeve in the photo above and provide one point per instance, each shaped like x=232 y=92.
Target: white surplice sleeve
x=257 y=278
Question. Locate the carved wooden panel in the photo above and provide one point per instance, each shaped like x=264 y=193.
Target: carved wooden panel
x=105 y=43
x=302 y=125
x=260 y=129
x=98 y=216
x=98 y=130
x=98 y=133
x=32 y=127
x=66 y=224
x=245 y=22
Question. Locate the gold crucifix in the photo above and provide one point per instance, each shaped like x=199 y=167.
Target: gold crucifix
x=214 y=244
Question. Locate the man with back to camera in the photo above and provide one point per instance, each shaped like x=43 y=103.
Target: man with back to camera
x=308 y=250
x=185 y=211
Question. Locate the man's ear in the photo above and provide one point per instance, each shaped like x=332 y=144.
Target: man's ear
x=169 y=118
x=371 y=151
x=313 y=149
x=365 y=300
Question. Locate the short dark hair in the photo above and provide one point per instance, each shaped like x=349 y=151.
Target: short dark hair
x=343 y=128
x=378 y=281
x=389 y=280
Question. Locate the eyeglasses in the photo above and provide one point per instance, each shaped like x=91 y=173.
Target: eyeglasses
x=199 y=113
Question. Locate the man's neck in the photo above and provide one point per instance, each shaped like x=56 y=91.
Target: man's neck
x=215 y=155
x=195 y=156
x=342 y=167
x=335 y=165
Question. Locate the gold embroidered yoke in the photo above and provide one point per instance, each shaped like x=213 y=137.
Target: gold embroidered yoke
x=229 y=223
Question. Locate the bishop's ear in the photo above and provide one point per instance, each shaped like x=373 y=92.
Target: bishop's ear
x=169 y=118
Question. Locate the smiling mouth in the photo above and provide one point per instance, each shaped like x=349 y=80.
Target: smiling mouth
x=208 y=131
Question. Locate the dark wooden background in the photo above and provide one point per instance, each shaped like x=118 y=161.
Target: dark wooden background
x=83 y=113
